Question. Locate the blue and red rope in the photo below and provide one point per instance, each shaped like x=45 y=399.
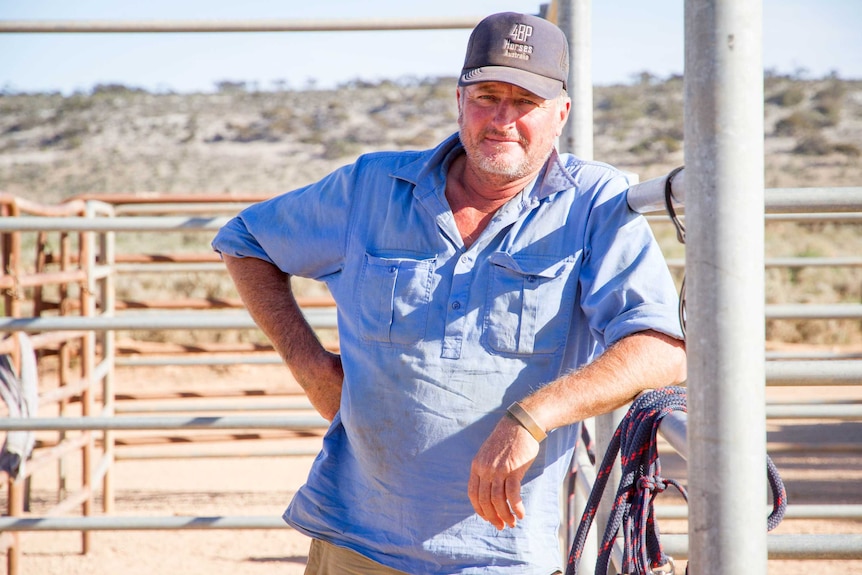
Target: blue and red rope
x=635 y=440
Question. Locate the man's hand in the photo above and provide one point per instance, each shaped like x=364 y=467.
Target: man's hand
x=496 y=473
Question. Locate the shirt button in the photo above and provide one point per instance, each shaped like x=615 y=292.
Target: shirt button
x=465 y=259
x=456 y=305
x=393 y=269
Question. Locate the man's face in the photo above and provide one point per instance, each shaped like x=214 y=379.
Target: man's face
x=507 y=131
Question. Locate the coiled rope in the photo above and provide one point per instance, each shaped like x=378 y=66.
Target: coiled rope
x=636 y=441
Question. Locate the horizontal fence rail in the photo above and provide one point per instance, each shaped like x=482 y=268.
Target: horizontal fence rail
x=834 y=546
x=814 y=311
x=813 y=372
x=802 y=201
x=831 y=547
x=115 y=224
x=165 y=422
x=320 y=317
x=141 y=523
x=206 y=26
x=839 y=511
x=795 y=262
x=317 y=317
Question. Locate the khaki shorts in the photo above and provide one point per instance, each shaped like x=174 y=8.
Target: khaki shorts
x=328 y=559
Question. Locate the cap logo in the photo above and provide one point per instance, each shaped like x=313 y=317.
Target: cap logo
x=519 y=33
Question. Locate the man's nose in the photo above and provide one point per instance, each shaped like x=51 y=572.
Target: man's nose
x=506 y=113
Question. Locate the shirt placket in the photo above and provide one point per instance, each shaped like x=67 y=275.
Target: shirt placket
x=463 y=278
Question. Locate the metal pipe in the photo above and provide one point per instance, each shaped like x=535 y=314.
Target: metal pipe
x=117 y=224
x=833 y=201
x=725 y=286
x=789 y=411
x=164 y=422
x=841 y=261
x=673 y=428
x=834 y=546
x=802 y=372
x=801 y=262
x=41 y=279
x=831 y=217
x=814 y=311
x=208 y=208
x=172 y=452
x=318 y=317
x=186 y=406
x=779 y=372
x=160 y=268
x=843 y=511
x=128 y=523
x=176 y=258
x=648 y=197
x=804 y=200
x=268 y=25
x=574 y=19
x=204 y=359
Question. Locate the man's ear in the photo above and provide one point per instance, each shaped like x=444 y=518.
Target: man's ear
x=565 y=106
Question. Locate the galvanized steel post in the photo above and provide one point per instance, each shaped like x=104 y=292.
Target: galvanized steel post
x=574 y=18
x=724 y=262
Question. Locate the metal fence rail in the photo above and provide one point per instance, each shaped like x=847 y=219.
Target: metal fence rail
x=208 y=26
x=165 y=422
x=826 y=547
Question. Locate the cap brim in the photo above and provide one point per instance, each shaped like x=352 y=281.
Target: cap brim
x=546 y=88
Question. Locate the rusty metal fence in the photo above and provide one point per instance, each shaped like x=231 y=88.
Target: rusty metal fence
x=60 y=270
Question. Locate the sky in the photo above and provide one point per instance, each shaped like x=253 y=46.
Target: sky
x=808 y=38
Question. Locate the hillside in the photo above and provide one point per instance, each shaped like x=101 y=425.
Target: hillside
x=120 y=139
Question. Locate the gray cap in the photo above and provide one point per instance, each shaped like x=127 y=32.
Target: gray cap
x=520 y=49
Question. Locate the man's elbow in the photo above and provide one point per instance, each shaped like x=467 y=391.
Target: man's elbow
x=677 y=360
x=673 y=356
x=680 y=367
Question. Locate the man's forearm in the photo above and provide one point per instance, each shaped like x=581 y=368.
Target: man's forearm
x=268 y=296
x=636 y=363
x=641 y=361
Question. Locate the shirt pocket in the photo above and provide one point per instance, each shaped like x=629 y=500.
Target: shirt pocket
x=394 y=296
x=530 y=302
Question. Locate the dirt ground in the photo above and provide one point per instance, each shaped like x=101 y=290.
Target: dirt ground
x=820 y=462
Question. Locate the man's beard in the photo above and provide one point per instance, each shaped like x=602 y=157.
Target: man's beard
x=500 y=164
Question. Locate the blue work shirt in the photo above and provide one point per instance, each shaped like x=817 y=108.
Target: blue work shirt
x=437 y=340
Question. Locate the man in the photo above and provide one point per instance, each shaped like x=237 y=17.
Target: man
x=491 y=294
